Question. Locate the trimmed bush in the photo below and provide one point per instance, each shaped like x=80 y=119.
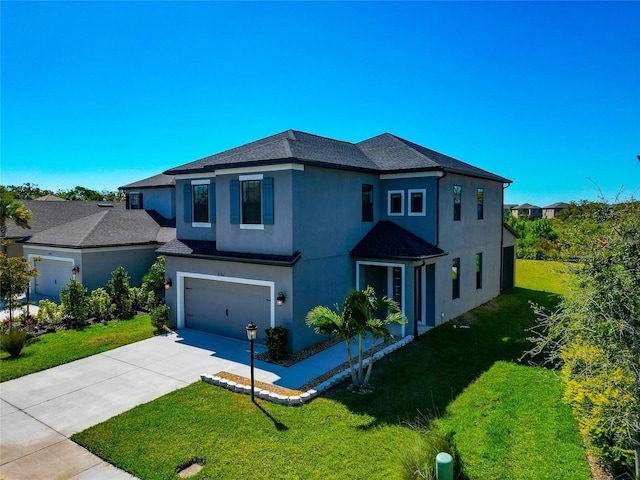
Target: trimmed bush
x=75 y=302
x=49 y=313
x=13 y=339
x=100 y=306
x=277 y=342
x=160 y=318
x=118 y=289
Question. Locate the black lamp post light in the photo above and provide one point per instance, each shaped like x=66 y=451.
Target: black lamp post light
x=252 y=330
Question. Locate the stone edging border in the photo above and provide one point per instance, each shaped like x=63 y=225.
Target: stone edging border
x=304 y=397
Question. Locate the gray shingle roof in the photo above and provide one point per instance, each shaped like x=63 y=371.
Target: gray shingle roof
x=110 y=227
x=386 y=240
x=49 y=214
x=160 y=180
x=209 y=250
x=557 y=205
x=385 y=153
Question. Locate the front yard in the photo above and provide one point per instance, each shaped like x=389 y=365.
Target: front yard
x=505 y=419
x=53 y=349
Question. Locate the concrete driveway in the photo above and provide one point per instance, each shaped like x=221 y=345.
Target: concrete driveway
x=39 y=412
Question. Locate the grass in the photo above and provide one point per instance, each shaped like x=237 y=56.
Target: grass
x=553 y=277
x=506 y=418
x=53 y=349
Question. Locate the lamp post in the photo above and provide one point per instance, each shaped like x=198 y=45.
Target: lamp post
x=251 y=335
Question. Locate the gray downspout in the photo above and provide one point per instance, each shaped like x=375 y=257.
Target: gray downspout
x=502 y=241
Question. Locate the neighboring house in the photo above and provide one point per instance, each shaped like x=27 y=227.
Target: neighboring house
x=87 y=241
x=550 y=211
x=268 y=230
x=153 y=193
x=507 y=208
x=526 y=210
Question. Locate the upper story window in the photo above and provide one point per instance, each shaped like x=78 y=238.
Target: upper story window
x=417 y=202
x=134 y=201
x=367 y=203
x=251 y=202
x=480 y=203
x=457 y=202
x=200 y=203
x=396 y=203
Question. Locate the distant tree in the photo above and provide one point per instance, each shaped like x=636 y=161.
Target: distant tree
x=15 y=275
x=11 y=209
x=27 y=191
x=82 y=194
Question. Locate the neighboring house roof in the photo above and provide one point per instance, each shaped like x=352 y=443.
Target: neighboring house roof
x=385 y=153
x=526 y=205
x=390 y=241
x=51 y=198
x=110 y=227
x=509 y=206
x=49 y=214
x=160 y=180
x=209 y=250
x=557 y=205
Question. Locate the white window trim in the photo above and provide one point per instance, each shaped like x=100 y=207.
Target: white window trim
x=200 y=224
x=401 y=213
x=424 y=202
x=250 y=226
x=180 y=276
x=389 y=280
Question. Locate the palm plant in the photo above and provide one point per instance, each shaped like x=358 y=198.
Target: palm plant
x=357 y=318
x=11 y=209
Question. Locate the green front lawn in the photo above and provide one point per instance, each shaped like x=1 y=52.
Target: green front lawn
x=53 y=349
x=506 y=418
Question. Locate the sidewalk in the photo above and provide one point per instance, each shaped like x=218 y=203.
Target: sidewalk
x=39 y=412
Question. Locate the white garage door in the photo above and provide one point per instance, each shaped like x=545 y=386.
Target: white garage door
x=226 y=308
x=54 y=274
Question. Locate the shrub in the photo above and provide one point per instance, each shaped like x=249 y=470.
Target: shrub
x=118 y=289
x=138 y=299
x=153 y=280
x=100 y=306
x=13 y=339
x=277 y=342
x=152 y=301
x=49 y=313
x=160 y=318
x=75 y=302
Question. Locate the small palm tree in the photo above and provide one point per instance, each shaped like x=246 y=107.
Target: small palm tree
x=357 y=318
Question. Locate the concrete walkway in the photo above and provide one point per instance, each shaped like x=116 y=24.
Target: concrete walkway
x=39 y=412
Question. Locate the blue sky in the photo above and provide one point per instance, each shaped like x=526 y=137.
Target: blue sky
x=101 y=94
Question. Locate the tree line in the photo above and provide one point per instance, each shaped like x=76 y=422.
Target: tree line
x=31 y=191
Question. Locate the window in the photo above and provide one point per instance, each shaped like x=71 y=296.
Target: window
x=396 y=202
x=367 y=203
x=417 y=202
x=478 y=271
x=457 y=202
x=480 y=203
x=251 y=202
x=397 y=285
x=134 y=201
x=455 y=277
x=200 y=203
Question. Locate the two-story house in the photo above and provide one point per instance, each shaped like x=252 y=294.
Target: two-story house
x=268 y=230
